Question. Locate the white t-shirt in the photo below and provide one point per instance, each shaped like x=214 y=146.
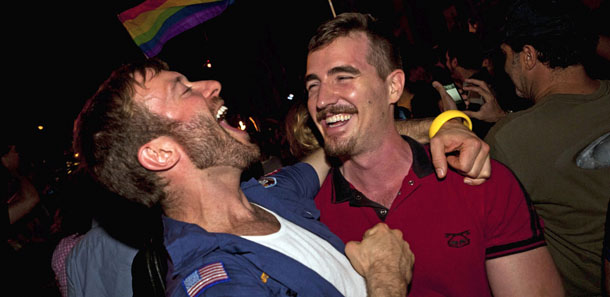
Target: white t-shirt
x=315 y=253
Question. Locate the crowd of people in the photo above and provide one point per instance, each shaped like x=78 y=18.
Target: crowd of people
x=375 y=185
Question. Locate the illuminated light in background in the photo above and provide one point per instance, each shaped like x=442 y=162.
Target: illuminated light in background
x=40 y=127
x=242 y=126
x=76 y=155
x=290 y=96
x=208 y=64
x=254 y=123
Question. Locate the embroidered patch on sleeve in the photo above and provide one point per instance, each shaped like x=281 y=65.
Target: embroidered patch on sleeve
x=267 y=181
x=205 y=277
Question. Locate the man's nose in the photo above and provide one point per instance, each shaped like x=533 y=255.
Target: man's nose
x=208 y=88
x=326 y=96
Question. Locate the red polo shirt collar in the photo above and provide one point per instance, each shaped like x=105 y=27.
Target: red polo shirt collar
x=343 y=191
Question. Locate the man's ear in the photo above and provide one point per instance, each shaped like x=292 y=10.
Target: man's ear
x=159 y=154
x=396 y=81
x=529 y=57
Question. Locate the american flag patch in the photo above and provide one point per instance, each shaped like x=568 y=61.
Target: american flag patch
x=205 y=277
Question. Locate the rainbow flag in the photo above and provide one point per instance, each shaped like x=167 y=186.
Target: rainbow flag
x=152 y=23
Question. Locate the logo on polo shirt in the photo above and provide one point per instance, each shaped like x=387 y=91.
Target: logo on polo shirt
x=458 y=240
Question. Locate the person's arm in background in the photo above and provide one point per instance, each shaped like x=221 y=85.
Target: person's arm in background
x=26 y=198
x=384 y=259
x=23 y=201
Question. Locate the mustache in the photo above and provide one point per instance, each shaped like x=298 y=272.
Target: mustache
x=217 y=100
x=215 y=103
x=335 y=109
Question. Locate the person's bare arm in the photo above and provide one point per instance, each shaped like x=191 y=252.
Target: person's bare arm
x=530 y=273
x=384 y=259
x=24 y=200
x=473 y=159
x=415 y=128
x=318 y=161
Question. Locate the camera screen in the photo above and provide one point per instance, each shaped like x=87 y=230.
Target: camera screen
x=453 y=92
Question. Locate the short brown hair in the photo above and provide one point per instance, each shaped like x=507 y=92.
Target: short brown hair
x=111 y=128
x=383 y=52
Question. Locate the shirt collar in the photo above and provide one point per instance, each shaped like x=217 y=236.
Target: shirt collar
x=422 y=166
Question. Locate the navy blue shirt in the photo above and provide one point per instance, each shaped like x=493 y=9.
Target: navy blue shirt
x=220 y=264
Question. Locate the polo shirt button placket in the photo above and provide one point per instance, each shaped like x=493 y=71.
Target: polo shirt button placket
x=411 y=182
x=358 y=197
x=383 y=212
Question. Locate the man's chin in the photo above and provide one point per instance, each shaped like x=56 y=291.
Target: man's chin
x=248 y=156
x=337 y=151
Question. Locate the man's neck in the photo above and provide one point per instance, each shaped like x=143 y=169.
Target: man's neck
x=215 y=202
x=569 y=80
x=374 y=172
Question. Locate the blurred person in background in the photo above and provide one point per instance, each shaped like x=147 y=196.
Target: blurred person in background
x=558 y=148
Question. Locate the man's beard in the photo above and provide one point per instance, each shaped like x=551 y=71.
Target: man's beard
x=335 y=146
x=208 y=145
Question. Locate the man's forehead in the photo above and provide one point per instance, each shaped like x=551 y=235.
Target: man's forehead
x=151 y=84
x=149 y=74
x=344 y=50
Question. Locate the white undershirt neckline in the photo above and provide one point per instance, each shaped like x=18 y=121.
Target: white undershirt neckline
x=315 y=253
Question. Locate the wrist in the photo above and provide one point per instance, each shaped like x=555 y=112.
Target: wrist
x=386 y=284
x=445 y=117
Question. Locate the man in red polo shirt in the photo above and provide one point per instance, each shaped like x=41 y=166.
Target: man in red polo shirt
x=467 y=240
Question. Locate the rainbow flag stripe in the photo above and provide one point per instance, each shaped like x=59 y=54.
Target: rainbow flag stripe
x=152 y=23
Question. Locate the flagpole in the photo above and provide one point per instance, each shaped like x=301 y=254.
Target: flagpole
x=330 y=2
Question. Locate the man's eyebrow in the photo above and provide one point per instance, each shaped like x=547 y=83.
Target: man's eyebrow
x=334 y=70
x=346 y=69
x=311 y=77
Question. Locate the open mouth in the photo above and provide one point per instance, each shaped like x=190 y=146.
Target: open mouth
x=229 y=120
x=221 y=114
x=337 y=119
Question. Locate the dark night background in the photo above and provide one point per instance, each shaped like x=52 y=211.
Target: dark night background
x=57 y=54
x=62 y=51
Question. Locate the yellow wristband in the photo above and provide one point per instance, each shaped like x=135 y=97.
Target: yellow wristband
x=442 y=118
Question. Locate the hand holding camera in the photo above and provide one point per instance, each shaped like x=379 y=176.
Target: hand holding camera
x=482 y=102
